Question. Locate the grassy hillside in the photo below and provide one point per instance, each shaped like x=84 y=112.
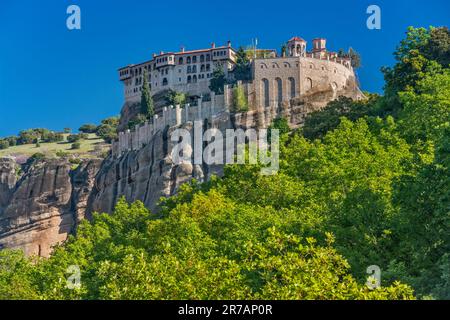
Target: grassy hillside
x=91 y=147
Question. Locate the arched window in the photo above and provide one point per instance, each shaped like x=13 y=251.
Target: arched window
x=194 y=79
x=275 y=65
x=164 y=82
x=194 y=59
x=188 y=60
x=279 y=89
x=189 y=79
x=263 y=66
x=202 y=58
x=189 y=70
x=208 y=67
x=208 y=57
x=265 y=92
x=180 y=61
x=309 y=84
x=292 y=87
x=194 y=69
x=202 y=68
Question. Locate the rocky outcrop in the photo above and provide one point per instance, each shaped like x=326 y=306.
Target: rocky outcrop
x=150 y=173
x=44 y=205
x=8 y=178
x=42 y=202
x=130 y=109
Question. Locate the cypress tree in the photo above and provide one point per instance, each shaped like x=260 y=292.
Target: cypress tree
x=147 y=108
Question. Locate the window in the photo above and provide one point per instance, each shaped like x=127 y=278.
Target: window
x=180 y=61
x=208 y=57
x=202 y=58
x=265 y=92
x=279 y=89
x=164 y=82
x=188 y=60
x=194 y=59
x=194 y=69
x=309 y=83
x=189 y=70
x=202 y=68
x=292 y=87
x=189 y=79
x=194 y=79
x=208 y=67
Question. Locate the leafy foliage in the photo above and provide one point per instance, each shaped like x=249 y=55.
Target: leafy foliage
x=358 y=186
x=239 y=99
x=218 y=80
x=242 y=69
x=147 y=106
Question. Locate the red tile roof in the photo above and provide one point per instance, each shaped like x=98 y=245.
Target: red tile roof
x=297 y=39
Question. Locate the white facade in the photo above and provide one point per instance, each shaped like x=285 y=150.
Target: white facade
x=185 y=71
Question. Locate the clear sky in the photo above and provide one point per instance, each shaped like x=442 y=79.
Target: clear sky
x=54 y=78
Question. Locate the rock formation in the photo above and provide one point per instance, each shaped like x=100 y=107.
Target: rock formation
x=42 y=202
x=44 y=205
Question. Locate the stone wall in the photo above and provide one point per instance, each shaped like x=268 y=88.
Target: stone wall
x=278 y=80
x=130 y=140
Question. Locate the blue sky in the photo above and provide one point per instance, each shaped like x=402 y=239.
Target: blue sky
x=54 y=78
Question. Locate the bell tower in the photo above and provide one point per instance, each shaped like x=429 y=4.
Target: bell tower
x=296 y=47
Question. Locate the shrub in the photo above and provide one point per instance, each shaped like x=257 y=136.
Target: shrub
x=73 y=138
x=239 y=99
x=37 y=156
x=76 y=146
x=88 y=128
x=4 y=144
x=83 y=136
x=61 y=153
x=54 y=137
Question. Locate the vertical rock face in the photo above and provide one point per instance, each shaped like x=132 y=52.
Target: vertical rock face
x=8 y=172
x=40 y=210
x=41 y=203
x=149 y=173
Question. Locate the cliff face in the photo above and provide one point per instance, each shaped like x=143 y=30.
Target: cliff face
x=41 y=203
x=44 y=205
x=149 y=173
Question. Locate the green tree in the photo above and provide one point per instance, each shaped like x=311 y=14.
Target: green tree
x=176 y=98
x=147 y=107
x=4 y=144
x=242 y=69
x=318 y=123
x=355 y=58
x=283 y=50
x=239 y=99
x=88 y=128
x=218 y=80
x=108 y=129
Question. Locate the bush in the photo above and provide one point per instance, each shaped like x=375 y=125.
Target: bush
x=38 y=156
x=61 y=154
x=83 y=136
x=73 y=138
x=53 y=137
x=12 y=141
x=88 y=128
x=239 y=99
x=75 y=160
x=76 y=146
x=4 y=144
